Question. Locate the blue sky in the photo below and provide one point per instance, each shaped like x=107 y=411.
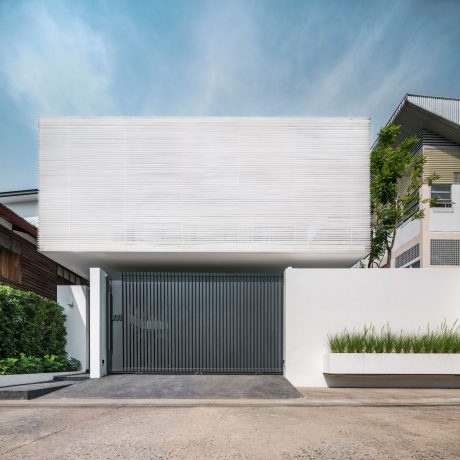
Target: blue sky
x=215 y=57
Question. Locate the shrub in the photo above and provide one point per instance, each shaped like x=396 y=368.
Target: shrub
x=30 y=324
x=32 y=365
x=443 y=339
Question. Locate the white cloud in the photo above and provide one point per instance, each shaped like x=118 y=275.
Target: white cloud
x=54 y=65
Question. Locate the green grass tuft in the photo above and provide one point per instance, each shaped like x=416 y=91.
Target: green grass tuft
x=443 y=339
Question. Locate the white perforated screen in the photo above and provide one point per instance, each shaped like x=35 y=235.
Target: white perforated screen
x=146 y=184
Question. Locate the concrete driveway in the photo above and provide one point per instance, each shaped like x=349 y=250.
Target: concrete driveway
x=181 y=387
x=229 y=432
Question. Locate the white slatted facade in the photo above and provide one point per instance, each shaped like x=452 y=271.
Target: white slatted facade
x=173 y=184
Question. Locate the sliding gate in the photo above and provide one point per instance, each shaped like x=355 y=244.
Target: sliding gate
x=196 y=323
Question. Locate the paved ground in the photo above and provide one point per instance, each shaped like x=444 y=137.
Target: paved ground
x=182 y=387
x=311 y=397
x=230 y=433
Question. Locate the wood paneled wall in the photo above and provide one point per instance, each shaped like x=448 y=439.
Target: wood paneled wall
x=10 y=265
x=30 y=271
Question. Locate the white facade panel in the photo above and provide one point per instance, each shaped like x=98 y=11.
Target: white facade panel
x=167 y=184
x=407 y=231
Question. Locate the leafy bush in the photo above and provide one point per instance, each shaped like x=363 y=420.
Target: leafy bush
x=32 y=365
x=443 y=339
x=30 y=324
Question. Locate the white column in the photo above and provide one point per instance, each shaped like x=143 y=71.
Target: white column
x=98 y=323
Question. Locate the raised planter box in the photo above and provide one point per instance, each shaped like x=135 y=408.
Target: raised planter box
x=392 y=364
x=24 y=379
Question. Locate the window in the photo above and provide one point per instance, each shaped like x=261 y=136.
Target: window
x=11 y=245
x=16 y=247
x=68 y=275
x=5 y=241
x=443 y=195
x=456 y=177
x=414 y=265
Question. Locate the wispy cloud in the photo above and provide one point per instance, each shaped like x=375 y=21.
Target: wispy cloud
x=206 y=57
x=55 y=63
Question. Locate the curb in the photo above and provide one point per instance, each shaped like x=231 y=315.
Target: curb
x=177 y=403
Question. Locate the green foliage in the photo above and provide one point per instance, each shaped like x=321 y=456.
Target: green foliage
x=32 y=365
x=443 y=339
x=30 y=324
x=396 y=177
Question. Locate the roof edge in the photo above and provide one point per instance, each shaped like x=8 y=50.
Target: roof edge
x=433 y=97
x=31 y=191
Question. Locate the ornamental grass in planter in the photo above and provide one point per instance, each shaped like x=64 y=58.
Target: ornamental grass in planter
x=443 y=339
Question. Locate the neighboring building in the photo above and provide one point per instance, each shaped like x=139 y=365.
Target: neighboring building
x=189 y=223
x=21 y=265
x=433 y=241
x=22 y=202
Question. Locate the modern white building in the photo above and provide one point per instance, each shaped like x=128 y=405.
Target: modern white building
x=188 y=224
x=129 y=193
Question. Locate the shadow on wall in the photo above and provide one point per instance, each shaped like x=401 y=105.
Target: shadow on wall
x=75 y=302
x=392 y=381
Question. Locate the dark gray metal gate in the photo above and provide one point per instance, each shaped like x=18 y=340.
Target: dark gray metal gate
x=197 y=323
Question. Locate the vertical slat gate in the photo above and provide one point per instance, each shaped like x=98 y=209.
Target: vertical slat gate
x=201 y=323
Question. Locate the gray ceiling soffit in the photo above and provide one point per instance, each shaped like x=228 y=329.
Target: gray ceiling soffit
x=414 y=118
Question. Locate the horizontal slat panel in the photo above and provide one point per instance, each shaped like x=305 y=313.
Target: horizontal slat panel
x=149 y=184
x=447 y=108
x=444 y=161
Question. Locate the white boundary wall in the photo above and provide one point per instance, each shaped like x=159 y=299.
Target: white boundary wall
x=319 y=302
x=74 y=300
x=98 y=323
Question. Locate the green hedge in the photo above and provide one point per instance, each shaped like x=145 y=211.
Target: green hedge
x=32 y=365
x=30 y=324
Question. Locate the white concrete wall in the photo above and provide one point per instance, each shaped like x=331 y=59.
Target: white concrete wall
x=98 y=323
x=319 y=302
x=25 y=206
x=75 y=302
x=406 y=232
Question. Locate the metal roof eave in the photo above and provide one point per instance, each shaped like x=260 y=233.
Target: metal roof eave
x=412 y=118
